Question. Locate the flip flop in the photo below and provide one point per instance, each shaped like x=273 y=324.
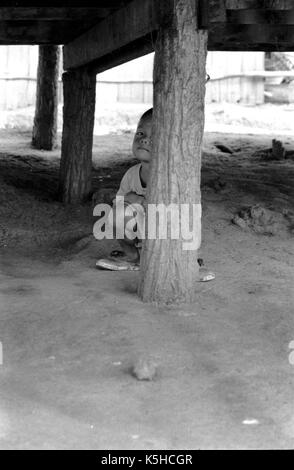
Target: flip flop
x=110 y=264
x=205 y=275
x=117 y=265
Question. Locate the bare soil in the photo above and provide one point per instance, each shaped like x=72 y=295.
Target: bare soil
x=71 y=334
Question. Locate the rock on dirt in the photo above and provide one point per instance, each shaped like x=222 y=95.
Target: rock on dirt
x=224 y=148
x=261 y=220
x=278 y=150
x=144 y=369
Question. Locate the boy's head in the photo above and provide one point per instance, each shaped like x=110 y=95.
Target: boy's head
x=143 y=140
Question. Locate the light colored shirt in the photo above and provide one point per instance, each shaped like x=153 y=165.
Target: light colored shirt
x=131 y=182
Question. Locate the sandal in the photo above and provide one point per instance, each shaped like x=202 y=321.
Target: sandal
x=113 y=264
x=117 y=265
x=205 y=275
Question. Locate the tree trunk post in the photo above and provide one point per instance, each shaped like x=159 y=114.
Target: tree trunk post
x=45 y=121
x=169 y=273
x=79 y=88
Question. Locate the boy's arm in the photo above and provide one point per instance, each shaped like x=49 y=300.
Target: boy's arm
x=124 y=187
x=133 y=198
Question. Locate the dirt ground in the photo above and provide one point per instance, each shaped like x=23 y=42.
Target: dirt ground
x=71 y=334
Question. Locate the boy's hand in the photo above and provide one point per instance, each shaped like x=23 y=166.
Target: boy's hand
x=133 y=198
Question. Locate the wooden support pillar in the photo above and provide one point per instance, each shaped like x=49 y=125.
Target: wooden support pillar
x=45 y=121
x=79 y=88
x=169 y=273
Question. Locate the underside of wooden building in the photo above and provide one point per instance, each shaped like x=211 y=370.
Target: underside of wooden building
x=116 y=31
x=233 y=25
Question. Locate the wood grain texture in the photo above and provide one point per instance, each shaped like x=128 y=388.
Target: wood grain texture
x=77 y=138
x=42 y=31
x=120 y=29
x=135 y=49
x=281 y=17
x=169 y=273
x=51 y=13
x=45 y=120
x=251 y=37
x=266 y=4
x=28 y=4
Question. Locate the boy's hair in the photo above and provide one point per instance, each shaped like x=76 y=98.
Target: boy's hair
x=148 y=114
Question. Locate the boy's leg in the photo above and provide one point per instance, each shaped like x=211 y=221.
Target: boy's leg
x=129 y=243
x=130 y=250
x=131 y=255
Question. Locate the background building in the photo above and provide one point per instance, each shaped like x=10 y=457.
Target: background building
x=132 y=82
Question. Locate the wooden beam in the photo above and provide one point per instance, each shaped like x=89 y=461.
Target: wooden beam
x=281 y=17
x=125 y=26
x=251 y=37
x=253 y=47
x=132 y=51
x=254 y=4
x=51 y=13
x=27 y=32
x=131 y=32
x=216 y=42
x=42 y=32
x=65 y=3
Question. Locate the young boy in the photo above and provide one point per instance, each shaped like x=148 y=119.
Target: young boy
x=133 y=189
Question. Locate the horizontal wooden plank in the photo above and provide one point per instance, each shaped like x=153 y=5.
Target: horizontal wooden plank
x=140 y=48
x=132 y=51
x=255 y=4
x=230 y=4
x=251 y=37
x=113 y=40
x=52 y=13
x=65 y=3
x=260 y=16
x=138 y=19
x=41 y=32
x=251 y=47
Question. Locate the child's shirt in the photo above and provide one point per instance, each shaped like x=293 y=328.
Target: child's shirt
x=131 y=182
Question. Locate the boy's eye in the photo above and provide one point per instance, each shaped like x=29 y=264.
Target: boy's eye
x=139 y=133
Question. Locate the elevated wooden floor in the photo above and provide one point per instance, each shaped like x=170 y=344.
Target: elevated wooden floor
x=115 y=31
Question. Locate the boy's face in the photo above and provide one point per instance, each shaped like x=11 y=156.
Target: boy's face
x=142 y=141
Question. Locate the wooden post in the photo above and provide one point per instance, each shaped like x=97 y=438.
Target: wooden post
x=79 y=88
x=168 y=272
x=45 y=121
